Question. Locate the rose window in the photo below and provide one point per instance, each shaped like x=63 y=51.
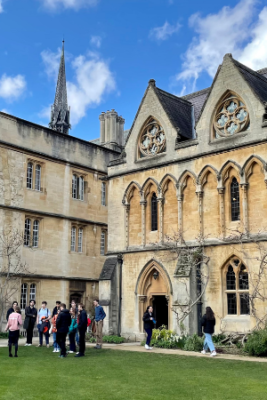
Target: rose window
x=231 y=117
x=152 y=140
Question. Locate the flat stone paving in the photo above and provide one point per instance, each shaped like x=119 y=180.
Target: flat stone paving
x=136 y=347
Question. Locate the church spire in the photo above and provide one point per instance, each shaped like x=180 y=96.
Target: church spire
x=60 y=113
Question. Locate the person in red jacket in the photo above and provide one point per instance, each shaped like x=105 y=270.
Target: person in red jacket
x=13 y=325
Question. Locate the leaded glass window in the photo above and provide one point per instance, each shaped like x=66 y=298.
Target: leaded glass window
x=81 y=188
x=103 y=194
x=231 y=117
x=27 y=232
x=74 y=187
x=235 y=201
x=80 y=240
x=102 y=243
x=38 y=177
x=154 y=212
x=237 y=288
x=77 y=187
x=35 y=233
x=33 y=292
x=73 y=239
x=152 y=140
x=29 y=175
x=23 y=296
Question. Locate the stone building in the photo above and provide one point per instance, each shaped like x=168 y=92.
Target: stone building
x=52 y=189
x=194 y=165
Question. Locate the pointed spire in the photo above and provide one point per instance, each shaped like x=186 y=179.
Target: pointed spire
x=60 y=113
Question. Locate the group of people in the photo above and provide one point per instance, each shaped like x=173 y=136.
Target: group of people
x=60 y=323
x=207 y=322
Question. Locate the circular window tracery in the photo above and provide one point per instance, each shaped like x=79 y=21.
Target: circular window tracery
x=231 y=117
x=152 y=140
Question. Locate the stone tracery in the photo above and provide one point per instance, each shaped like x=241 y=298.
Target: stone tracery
x=152 y=140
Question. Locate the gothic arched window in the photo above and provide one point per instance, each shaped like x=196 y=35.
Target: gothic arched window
x=231 y=117
x=235 y=203
x=154 y=212
x=152 y=139
x=237 y=288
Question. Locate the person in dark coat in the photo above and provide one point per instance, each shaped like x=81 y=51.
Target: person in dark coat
x=208 y=322
x=62 y=324
x=149 y=322
x=55 y=310
x=82 y=326
x=30 y=319
x=11 y=309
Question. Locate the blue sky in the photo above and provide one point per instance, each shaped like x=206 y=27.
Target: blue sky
x=114 y=47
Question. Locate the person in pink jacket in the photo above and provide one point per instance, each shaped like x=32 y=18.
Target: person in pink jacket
x=13 y=325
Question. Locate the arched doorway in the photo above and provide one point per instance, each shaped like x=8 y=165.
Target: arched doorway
x=154 y=289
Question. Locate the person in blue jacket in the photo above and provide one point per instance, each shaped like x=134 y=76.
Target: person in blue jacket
x=100 y=315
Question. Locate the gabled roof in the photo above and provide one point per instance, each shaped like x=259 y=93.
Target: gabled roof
x=198 y=100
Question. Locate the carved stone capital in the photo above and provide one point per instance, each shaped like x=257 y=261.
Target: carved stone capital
x=244 y=186
x=221 y=190
x=142 y=299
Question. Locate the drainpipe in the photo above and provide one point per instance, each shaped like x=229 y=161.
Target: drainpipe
x=120 y=261
x=199 y=303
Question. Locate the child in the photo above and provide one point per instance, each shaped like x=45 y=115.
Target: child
x=13 y=325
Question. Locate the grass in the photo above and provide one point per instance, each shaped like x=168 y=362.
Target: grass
x=39 y=374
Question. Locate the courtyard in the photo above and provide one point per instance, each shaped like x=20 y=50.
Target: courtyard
x=120 y=375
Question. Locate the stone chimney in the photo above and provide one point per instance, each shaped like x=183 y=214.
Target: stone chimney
x=111 y=130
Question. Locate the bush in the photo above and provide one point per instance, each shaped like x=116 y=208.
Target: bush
x=113 y=339
x=3 y=335
x=166 y=339
x=256 y=344
x=218 y=338
x=194 y=343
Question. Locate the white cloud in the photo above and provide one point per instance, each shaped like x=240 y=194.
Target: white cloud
x=164 y=32
x=56 y=5
x=1 y=6
x=92 y=81
x=96 y=41
x=11 y=88
x=51 y=61
x=231 y=30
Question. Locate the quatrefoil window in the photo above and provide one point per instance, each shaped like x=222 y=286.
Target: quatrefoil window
x=152 y=140
x=231 y=117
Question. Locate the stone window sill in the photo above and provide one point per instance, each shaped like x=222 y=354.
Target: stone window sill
x=151 y=157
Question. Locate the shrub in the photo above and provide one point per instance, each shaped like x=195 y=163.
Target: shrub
x=218 y=338
x=194 y=343
x=113 y=339
x=166 y=339
x=3 y=335
x=256 y=344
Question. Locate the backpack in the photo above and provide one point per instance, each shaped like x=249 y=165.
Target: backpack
x=88 y=322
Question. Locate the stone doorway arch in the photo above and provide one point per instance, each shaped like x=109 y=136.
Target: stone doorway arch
x=153 y=287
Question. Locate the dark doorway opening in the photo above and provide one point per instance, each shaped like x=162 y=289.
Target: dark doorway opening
x=160 y=307
x=77 y=297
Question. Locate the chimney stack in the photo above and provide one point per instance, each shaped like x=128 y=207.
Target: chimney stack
x=111 y=130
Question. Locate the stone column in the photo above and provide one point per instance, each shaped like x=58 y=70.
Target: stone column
x=200 y=212
x=143 y=210
x=127 y=212
x=222 y=212
x=107 y=127
x=102 y=127
x=160 y=201
x=180 y=213
x=113 y=117
x=244 y=187
x=121 y=131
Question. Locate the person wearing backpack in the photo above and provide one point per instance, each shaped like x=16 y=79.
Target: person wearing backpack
x=208 y=322
x=43 y=324
x=13 y=325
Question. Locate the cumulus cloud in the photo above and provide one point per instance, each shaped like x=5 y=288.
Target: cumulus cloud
x=164 y=32
x=12 y=87
x=232 y=30
x=96 y=41
x=56 y=5
x=92 y=80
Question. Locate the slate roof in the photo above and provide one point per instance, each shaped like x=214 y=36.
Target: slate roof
x=108 y=269
x=257 y=81
x=178 y=110
x=197 y=99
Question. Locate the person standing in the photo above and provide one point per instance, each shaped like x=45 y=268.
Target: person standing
x=56 y=308
x=11 y=309
x=54 y=332
x=74 y=307
x=149 y=322
x=82 y=326
x=208 y=322
x=43 y=324
x=72 y=331
x=100 y=315
x=62 y=324
x=13 y=325
x=30 y=319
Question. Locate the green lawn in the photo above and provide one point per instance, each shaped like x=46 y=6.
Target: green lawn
x=39 y=374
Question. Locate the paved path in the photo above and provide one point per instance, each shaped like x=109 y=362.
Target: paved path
x=137 y=348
